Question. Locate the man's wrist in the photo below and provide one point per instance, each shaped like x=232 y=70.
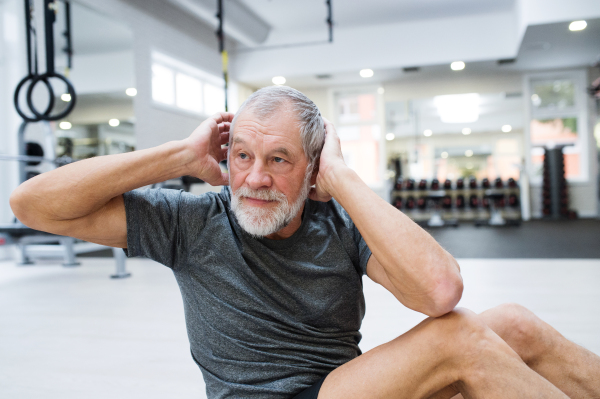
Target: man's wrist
x=337 y=176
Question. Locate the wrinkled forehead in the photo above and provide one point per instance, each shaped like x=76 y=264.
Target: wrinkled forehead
x=278 y=126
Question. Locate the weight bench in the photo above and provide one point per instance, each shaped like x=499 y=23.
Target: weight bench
x=33 y=243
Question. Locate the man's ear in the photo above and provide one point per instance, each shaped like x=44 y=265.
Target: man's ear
x=315 y=172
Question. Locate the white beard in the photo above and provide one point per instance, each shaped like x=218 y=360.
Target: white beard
x=260 y=222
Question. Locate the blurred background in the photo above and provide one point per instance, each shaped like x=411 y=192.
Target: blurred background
x=477 y=118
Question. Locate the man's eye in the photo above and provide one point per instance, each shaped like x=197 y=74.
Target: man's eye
x=279 y=160
x=243 y=156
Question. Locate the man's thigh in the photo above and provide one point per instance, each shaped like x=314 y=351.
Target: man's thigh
x=416 y=364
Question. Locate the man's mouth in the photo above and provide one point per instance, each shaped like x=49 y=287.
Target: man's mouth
x=257 y=202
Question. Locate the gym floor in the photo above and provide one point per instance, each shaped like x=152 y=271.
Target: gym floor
x=74 y=333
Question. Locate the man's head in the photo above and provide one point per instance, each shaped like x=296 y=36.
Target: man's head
x=275 y=141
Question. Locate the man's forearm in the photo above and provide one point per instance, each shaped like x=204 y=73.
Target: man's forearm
x=80 y=188
x=414 y=262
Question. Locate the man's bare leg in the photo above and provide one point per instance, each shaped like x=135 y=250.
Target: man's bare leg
x=568 y=366
x=456 y=349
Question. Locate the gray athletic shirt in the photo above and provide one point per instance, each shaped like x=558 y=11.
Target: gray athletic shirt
x=265 y=318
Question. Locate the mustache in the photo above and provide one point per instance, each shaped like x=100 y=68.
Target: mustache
x=265 y=195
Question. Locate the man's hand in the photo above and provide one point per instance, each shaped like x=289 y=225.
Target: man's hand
x=330 y=163
x=206 y=142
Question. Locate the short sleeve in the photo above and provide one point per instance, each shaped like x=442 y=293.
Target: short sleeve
x=360 y=246
x=152 y=224
x=364 y=252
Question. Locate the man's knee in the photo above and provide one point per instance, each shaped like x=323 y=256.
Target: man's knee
x=465 y=336
x=520 y=328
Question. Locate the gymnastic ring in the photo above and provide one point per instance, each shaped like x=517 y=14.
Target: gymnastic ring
x=70 y=90
x=50 y=100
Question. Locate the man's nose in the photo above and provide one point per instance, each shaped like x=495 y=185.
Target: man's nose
x=258 y=177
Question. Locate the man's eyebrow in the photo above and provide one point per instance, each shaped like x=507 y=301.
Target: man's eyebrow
x=283 y=151
x=238 y=139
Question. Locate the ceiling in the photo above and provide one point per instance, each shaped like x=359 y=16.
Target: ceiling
x=311 y=14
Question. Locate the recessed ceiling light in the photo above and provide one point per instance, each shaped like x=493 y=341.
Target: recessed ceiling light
x=381 y=90
x=466 y=131
x=469 y=153
x=390 y=136
x=366 y=73
x=577 y=25
x=66 y=97
x=114 y=122
x=65 y=125
x=427 y=133
x=131 y=92
x=278 y=80
x=457 y=66
x=444 y=155
x=506 y=128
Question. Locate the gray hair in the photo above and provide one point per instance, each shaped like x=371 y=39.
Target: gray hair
x=265 y=102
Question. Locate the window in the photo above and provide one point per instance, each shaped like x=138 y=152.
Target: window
x=359 y=132
x=181 y=86
x=558 y=117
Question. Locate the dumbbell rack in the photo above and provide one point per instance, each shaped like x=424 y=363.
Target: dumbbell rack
x=555 y=196
x=462 y=201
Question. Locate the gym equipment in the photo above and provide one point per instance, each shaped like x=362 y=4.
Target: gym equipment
x=460 y=184
x=460 y=201
x=485 y=183
x=397 y=202
x=423 y=184
x=473 y=182
x=398 y=185
x=447 y=184
x=33 y=77
x=410 y=202
x=435 y=184
x=421 y=202
x=555 y=196
x=498 y=183
x=32 y=243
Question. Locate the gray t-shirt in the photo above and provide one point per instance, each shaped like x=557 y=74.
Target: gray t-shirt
x=265 y=318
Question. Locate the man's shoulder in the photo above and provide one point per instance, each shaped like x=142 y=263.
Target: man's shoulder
x=331 y=210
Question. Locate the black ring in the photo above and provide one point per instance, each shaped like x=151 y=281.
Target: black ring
x=70 y=90
x=37 y=118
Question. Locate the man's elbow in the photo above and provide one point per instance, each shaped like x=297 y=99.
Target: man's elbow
x=446 y=296
x=20 y=204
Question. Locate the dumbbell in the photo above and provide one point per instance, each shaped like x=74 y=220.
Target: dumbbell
x=410 y=202
x=513 y=200
x=498 y=183
x=410 y=184
x=447 y=184
x=460 y=184
x=460 y=201
x=485 y=202
x=512 y=183
x=435 y=184
x=397 y=202
x=473 y=201
x=473 y=183
x=485 y=183
x=423 y=184
x=398 y=185
x=422 y=202
x=447 y=202
x=31 y=174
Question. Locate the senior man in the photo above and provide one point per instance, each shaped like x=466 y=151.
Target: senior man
x=271 y=280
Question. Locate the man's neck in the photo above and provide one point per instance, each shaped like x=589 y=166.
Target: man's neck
x=290 y=229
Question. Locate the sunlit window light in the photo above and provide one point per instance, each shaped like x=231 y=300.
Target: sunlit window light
x=114 y=122
x=380 y=90
x=65 y=125
x=469 y=153
x=390 y=136
x=427 y=132
x=444 y=155
x=506 y=128
x=458 y=108
x=66 y=97
x=131 y=92
x=466 y=131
